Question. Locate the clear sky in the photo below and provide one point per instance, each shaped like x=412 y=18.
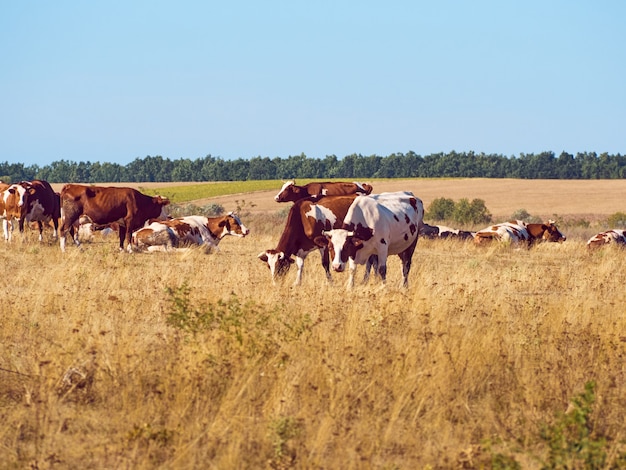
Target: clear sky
x=112 y=81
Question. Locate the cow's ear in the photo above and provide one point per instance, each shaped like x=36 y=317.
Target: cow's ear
x=263 y=256
x=321 y=241
x=222 y=223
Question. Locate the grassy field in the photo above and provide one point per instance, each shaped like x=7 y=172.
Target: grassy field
x=492 y=357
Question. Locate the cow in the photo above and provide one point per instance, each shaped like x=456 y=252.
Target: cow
x=378 y=225
x=610 y=237
x=306 y=220
x=42 y=206
x=290 y=192
x=441 y=231
x=518 y=231
x=13 y=206
x=104 y=205
x=193 y=229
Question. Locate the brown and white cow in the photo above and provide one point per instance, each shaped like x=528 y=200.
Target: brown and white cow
x=518 y=231
x=165 y=235
x=610 y=237
x=290 y=192
x=104 y=205
x=377 y=225
x=13 y=207
x=441 y=231
x=306 y=220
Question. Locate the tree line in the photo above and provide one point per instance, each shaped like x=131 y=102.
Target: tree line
x=585 y=165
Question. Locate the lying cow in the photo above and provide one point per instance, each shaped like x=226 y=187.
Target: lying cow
x=518 y=231
x=305 y=221
x=441 y=231
x=165 y=235
x=379 y=225
x=610 y=237
x=290 y=192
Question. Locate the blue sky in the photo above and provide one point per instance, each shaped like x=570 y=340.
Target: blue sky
x=118 y=80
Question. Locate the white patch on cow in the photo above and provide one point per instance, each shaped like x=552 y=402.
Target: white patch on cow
x=285 y=186
x=321 y=213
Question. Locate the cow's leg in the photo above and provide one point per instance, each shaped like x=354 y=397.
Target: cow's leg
x=351 y=271
x=372 y=263
x=406 y=256
x=326 y=262
x=122 y=234
x=382 y=262
x=69 y=215
x=5 y=228
x=300 y=266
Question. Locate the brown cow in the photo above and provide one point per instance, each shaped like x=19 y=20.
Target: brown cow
x=306 y=220
x=42 y=206
x=291 y=192
x=104 y=205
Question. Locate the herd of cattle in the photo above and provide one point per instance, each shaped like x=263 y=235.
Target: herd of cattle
x=344 y=221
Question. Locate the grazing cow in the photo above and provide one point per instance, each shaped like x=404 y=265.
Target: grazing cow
x=441 y=231
x=381 y=225
x=43 y=206
x=610 y=237
x=13 y=206
x=517 y=231
x=291 y=192
x=194 y=229
x=104 y=205
x=306 y=220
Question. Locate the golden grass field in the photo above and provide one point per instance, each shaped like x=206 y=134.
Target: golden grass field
x=189 y=360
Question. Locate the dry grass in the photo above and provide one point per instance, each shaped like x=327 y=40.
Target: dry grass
x=470 y=361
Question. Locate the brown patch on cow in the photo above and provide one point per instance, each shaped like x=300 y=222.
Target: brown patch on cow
x=407 y=219
x=413 y=228
x=406 y=237
x=382 y=240
x=363 y=232
x=396 y=217
x=413 y=203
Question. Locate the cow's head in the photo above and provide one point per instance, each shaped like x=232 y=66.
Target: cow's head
x=232 y=225
x=277 y=262
x=341 y=244
x=551 y=233
x=161 y=201
x=15 y=200
x=289 y=192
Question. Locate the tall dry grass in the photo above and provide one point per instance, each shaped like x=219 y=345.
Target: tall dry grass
x=188 y=360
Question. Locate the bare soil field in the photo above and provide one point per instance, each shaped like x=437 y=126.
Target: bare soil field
x=589 y=199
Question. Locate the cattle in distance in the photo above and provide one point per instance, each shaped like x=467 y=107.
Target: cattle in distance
x=291 y=192
x=165 y=235
x=378 y=225
x=441 y=231
x=104 y=205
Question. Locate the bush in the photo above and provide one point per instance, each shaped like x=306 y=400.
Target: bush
x=474 y=212
x=617 y=220
x=523 y=214
x=440 y=209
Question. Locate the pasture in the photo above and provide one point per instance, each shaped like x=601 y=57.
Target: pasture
x=191 y=360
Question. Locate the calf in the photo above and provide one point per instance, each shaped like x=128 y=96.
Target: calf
x=379 y=225
x=13 y=205
x=194 y=229
x=291 y=192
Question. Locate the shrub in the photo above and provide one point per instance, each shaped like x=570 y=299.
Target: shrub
x=617 y=220
x=440 y=209
x=474 y=212
x=523 y=214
